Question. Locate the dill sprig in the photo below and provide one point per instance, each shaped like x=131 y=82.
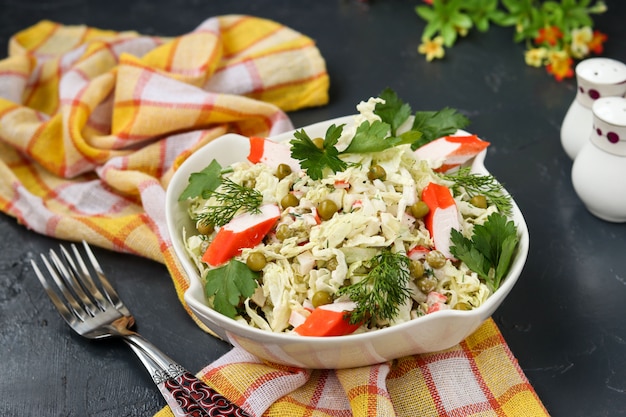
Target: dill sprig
x=233 y=198
x=383 y=290
x=477 y=184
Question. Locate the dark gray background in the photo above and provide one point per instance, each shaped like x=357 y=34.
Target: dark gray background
x=564 y=320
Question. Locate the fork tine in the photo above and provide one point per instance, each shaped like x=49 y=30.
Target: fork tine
x=58 y=303
x=74 y=280
x=83 y=276
x=71 y=305
x=106 y=285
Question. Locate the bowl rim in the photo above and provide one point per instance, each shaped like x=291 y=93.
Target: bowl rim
x=229 y=325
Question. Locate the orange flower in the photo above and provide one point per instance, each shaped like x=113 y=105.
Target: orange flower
x=549 y=35
x=595 y=45
x=428 y=2
x=560 y=65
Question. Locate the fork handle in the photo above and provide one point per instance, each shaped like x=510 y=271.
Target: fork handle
x=186 y=394
x=180 y=404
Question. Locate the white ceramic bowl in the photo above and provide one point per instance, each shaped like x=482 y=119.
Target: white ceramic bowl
x=430 y=333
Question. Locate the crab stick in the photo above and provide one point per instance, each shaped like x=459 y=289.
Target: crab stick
x=329 y=320
x=271 y=153
x=436 y=302
x=442 y=217
x=243 y=231
x=418 y=253
x=453 y=151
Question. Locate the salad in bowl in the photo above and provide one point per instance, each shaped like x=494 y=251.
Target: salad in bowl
x=344 y=236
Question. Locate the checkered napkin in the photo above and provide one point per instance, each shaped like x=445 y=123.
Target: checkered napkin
x=94 y=122
x=478 y=377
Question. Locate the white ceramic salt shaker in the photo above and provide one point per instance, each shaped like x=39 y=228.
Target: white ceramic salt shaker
x=599 y=169
x=596 y=78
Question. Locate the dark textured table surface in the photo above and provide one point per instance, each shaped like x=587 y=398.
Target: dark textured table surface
x=565 y=318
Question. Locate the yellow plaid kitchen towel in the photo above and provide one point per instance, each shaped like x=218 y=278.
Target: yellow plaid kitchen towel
x=477 y=378
x=94 y=122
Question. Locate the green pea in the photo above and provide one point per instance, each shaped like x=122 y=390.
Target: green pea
x=321 y=298
x=479 y=201
x=256 y=261
x=416 y=269
x=289 y=200
x=462 y=306
x=435 y=259
x=204 y=227
x=427 y=284
x=327 y=209
x=419 y=210
x=377 y=172
x=283 y=232
x=282 y=171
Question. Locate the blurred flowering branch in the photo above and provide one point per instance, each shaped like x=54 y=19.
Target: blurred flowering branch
x=555 y=33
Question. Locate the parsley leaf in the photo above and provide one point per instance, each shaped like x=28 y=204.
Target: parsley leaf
x=204 y=182
x=434 y=125
x=465 y=250
x=370 y=137
x=228 y=285
x=393 y=111
x=491 y=249
x=314 y=159
x=427 y=125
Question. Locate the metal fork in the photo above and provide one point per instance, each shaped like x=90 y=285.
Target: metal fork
x=96 y=312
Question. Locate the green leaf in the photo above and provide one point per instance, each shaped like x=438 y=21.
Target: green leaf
x=434 y=125
x=429 y=31
x=506 y=256
x=313 y=159
x=461 y=20
x=409 y=137
x=333 y=133
x=202 y=182
x=492 y=247
x=370 y=137
x=488 y=237
x=449 y=35
x=503 y=19
x=228 y=285
x=482 y=25
x=425 y=12
x=393 y=111
x=464 y=250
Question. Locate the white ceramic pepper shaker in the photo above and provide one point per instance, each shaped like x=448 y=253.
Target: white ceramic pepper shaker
x=599 y=169
x=596 y=78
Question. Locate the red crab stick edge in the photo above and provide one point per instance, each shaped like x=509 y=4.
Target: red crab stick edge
x=452 y=150
x=271 y=153
x=243 y=231
x=443 y=216
x=329 y=320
